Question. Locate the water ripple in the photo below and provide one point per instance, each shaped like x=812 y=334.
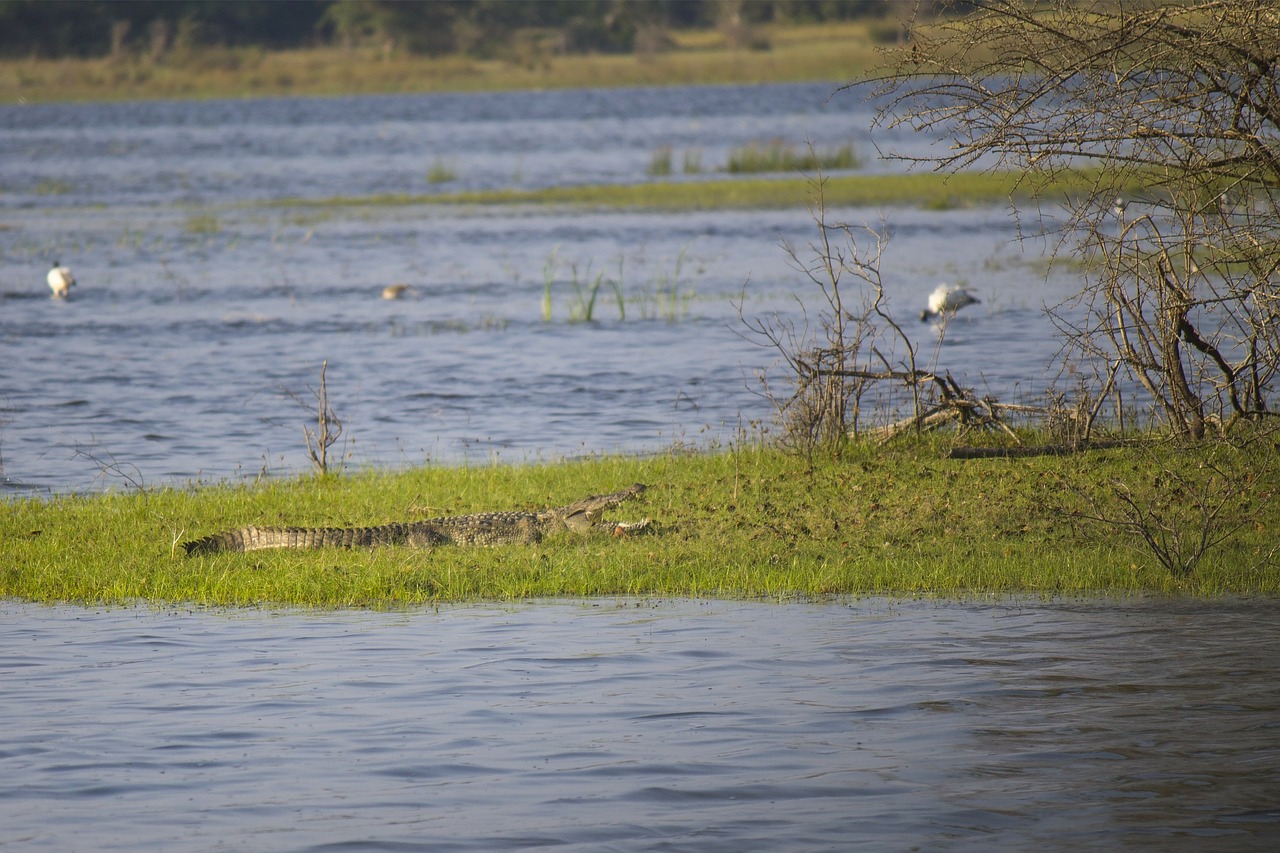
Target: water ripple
x=690 y=726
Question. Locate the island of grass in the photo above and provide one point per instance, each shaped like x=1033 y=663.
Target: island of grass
x=927 y=190
x=748 y=522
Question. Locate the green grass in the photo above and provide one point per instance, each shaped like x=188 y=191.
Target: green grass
x=747 y=522
x=922 y=189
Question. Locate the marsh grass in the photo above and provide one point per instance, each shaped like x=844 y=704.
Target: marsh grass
x=744 y=522
x=660 y=162
x=582 y=304
x=52 y=186
x=664 y=299
x=584 y=290
x=441 y=173
x=668 y=300
x=203 y=223
x=927 y=190
x=779 y=156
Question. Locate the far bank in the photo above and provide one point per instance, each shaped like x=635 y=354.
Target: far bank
x=836 y=52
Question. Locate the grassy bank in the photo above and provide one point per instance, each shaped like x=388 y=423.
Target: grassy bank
x=746 y=522
x=832 y=51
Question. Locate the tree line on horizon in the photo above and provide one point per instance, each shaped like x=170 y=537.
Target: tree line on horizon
x=483 y=28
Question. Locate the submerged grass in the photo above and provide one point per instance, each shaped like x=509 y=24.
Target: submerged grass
x=748 y=522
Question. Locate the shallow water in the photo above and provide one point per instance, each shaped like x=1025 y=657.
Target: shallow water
x=641 y=725
x=203 y=311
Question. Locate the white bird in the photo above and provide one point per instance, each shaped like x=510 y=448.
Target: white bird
x=60 y=280
x=947 y=299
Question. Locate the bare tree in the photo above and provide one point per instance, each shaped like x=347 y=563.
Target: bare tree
x=1179 y=99
x=850 y=346
x=328 y=424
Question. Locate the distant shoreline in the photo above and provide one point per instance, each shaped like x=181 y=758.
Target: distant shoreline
x=827 y=52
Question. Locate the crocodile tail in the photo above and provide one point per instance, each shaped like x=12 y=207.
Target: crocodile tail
x=262 y=538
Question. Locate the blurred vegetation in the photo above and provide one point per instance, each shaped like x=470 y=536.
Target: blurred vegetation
x=172 y=29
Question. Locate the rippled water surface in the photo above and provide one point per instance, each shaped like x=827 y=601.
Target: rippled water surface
x=206 y=304
x=636 y=725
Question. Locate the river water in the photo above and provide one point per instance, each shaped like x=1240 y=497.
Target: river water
x=214 y=281
x=644 y=725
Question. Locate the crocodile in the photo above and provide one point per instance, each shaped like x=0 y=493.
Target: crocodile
x=479 y=529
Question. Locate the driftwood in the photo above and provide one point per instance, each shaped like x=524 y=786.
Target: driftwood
x=966 y=410
x=959 y=404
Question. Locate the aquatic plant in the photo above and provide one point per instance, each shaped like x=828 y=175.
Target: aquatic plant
x=778 y=156
x=665 y=299
x=441 y=173
x=669 y=302
x=660 y=162
x=52 y=186
x=548 y=278
x=583 y=305
x=203 y=223
x=661 y=165
x=585 y=290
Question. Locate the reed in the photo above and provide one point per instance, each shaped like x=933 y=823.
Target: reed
x=582 y=307
x=548 y=279
x=745 y=521
x=660 y=163
x=665 y=299
x=670 y=302
x=203 y=223
x=692 y=161
x=779 y=156
x=441 y=173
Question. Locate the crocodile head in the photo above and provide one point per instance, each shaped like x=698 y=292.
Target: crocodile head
x=582 y=515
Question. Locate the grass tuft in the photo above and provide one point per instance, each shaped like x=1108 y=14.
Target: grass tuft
x=778 y=156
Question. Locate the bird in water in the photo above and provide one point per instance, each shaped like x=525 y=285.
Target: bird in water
x=395 y=291
x=60 y=280
x=946 y=300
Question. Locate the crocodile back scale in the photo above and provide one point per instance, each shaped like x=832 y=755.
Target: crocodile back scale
x=478 y=529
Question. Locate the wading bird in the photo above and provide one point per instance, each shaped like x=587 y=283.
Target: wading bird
x=60 y=280
x=947 y=299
